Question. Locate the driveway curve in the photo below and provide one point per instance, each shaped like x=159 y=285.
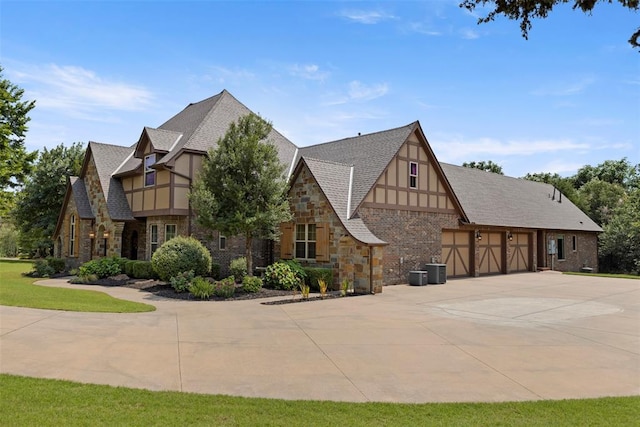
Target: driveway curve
x=503 y=338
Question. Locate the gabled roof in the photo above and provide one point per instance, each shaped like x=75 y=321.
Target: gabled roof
x=108 y=159
x=334 y=180
x=76 y=190
x=203 y=123
x=496 y=200
x=369 y=154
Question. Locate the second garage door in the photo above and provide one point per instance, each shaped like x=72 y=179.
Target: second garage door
x=520 y=252
x=490 y=253
x=456 y=252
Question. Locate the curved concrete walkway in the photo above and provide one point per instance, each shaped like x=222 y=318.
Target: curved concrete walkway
x=515 y=337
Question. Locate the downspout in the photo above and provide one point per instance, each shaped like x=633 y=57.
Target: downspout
x=370 y=269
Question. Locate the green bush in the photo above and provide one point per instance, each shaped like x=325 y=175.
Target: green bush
x=58 y=264
x=128 y=268
x=238 y=268
x=279 y=275
x=181 y=254
x=182 y=281
x=215 y=271
x=201 y=288
x=314 y=274
x=251 y=284
x=297 y=268
x=41 y=268
x=143 y=270
x=225 y=288
x=102 y=267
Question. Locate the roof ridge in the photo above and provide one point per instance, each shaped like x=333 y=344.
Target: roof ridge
x=476 y=170
x=363 y=135
x=327 y=161
x=111 y=145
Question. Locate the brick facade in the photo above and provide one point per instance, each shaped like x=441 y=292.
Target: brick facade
x=585 y=255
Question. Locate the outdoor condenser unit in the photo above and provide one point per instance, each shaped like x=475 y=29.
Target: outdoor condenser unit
x=436 y=273
x=418 y=278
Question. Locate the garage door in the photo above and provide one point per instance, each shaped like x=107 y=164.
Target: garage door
x=490 y=253
x=456 y=251
x=520 y=252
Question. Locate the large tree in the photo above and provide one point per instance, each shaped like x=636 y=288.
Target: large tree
x=526 y=10
x=619 y=244
x=39 y=201
x=15 y=161
x=241 y=189
x=487 y=166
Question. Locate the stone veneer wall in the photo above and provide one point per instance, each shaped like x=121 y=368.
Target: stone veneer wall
x=414 y=238
x=585 y=255
x=83 y=245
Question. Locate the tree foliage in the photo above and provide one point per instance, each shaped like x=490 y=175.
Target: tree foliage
x=525 y=11
x=620 y=242
x=241 y=189
x=38 y=203
x=487 y=166
x=15 y=161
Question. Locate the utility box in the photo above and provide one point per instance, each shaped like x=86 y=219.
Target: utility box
x=418 y=278
x=437 y=273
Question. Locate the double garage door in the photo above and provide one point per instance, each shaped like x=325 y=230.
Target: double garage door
x=458 y=253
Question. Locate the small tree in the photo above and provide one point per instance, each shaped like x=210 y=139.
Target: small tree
x=487 y=166
x=241 y=189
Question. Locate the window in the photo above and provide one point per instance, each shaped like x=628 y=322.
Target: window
x=72 y=235
x=169 y=232
x=222 y=242
x=154 y=238
x=413 y=175
x=560 y=246
x=149 y=173
x=306 y=241
x=574 y=243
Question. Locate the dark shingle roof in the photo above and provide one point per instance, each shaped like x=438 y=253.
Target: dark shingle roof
x=79 y=194
x=204 y=122
x=108 y=159
x=491 y=199
x=369 y=154
x=334 y=180
x=162 y=140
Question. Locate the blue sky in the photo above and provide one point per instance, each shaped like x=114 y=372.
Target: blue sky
x=320 y=71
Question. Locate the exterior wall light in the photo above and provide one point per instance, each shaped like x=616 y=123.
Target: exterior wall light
x=92 y=235
x=478 y=235
x=105 y=235
x=509 y=236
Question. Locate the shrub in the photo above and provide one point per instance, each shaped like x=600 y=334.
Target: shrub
x=225 y=288
x=238 y=268
x=182 y=281
x=58 y=264
x=215 y=271
x=315 y=274
x=143 y=270
x=181 y=254
x=41 y=268
x=102 y=267
x=298 y=269
x=344 y=287
x=323 y=287
x=280 y=276
x=84 y=279
x=304 y=290
x=128 y=267
x=251 y=284
x=201 y=288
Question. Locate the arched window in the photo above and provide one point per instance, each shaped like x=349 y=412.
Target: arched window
x=72 y=235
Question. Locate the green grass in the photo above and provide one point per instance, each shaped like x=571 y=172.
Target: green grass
x=18 y=290
x=42 y=402
x=610 y=275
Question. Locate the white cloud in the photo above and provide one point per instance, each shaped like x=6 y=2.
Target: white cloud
x=308 y=71
x=358 y=91
x=422 y=28
x=469 y=34
x=78 y=91
x=366 y=16
x=565 y=89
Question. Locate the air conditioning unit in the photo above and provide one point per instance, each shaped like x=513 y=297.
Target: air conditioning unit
x=418 y=278
x=436 y=273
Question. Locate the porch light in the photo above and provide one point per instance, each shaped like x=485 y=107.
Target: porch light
x=92 y=235
x=509 y=236
x=478 y=235
x=105 y=235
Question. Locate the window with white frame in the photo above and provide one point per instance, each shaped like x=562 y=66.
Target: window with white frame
x=574 y=243
x=561 y=246
x=222 y=242
x=149 y=173
x=305 y=241
x=170 y=231
x=413 y=175
x=72 y=235
x=153 y=234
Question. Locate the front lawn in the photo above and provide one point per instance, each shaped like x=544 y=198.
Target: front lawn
x=32 y=401
x=609 y=275
x=18 y=290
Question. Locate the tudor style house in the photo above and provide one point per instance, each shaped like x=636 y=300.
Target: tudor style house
x=371 y=207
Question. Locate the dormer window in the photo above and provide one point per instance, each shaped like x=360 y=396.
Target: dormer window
x=149 y=173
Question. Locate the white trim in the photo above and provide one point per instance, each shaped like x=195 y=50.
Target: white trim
x=175 y=143
x=349 y=193
x=293 y=163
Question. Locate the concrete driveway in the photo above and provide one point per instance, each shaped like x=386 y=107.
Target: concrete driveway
x=516 y=337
